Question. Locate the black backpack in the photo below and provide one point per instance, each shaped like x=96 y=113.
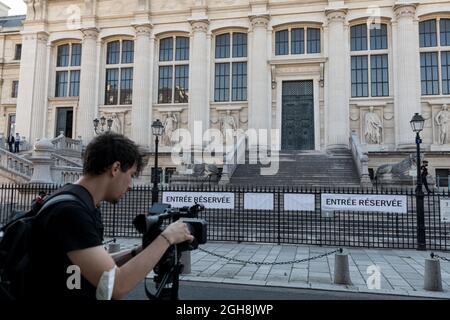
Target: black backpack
x=15 y=248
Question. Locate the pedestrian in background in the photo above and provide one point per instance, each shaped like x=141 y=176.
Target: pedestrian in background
x=17 y=143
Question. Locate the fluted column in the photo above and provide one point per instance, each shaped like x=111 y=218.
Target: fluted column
x=406 y=72
x=32 y=94
x=337 y=103
x=86 y=110
x=140 y=130
x=259 y=108
x=198 y=92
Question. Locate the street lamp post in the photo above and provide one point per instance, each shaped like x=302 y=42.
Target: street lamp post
x=417 y=124
x=102 y=122
x=158 y=131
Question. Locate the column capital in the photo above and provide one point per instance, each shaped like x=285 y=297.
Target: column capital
x=199 y=25
x=405 y=10
x=90 y=33
x=143 y=29
x=259 y=20
x=338 y=15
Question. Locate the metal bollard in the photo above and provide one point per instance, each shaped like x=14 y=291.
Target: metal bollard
x=432 y=277
x=185 y=260
x=113 y=247
x=341 y=269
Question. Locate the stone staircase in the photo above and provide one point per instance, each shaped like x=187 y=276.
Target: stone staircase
x=306 y=169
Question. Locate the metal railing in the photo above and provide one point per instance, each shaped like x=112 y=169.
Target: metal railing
x=361 y=160
x=317 y=227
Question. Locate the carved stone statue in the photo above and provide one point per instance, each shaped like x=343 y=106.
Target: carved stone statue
x=443 y=121
x=396 y=173
x=170 y=125
x=373 y=127
x=35 y=9
x=228 y=126
x=117 y=124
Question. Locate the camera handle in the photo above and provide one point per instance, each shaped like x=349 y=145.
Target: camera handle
x=174 y=274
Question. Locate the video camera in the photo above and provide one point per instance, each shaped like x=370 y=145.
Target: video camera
x=169 y=267
x=151 y=225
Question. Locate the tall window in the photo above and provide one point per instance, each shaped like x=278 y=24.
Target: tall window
x=18 y=51
x=68 y=70
x=119 y=72
x=230 y=78
x=173 y=84
x=369 y=60
x=434 y=40
x=297 y=41
x=15 y=89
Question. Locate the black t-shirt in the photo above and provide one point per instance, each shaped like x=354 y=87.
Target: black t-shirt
x=64 y=227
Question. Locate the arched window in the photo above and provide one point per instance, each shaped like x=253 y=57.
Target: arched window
x=230 y=78
x=68 y=68
x=369 y=60
x=297 y=40
x=119 y=72
x=434 y=40
x=173 y=74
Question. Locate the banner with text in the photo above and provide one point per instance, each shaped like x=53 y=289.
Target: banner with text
x=299 y=202
x=364 y=203
x=445 y=210
x=211 y=200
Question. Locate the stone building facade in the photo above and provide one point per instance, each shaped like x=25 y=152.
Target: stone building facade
x=315 y=70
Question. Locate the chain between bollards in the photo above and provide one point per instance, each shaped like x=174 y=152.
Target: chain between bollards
x=340 y=250
x=433 y=255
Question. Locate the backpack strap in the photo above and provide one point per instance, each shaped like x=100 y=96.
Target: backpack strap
x=61 y=198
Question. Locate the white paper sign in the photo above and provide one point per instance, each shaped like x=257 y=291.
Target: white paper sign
x=211 y=200
x=445 y=210
x=364 y=203
x=258 y=201
x=299 y=202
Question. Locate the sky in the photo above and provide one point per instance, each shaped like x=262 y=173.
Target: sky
x=17 y=7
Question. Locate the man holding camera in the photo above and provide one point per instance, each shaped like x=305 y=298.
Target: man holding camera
x=67 y=237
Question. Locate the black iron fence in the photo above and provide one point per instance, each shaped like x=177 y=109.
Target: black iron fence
x=278 y=223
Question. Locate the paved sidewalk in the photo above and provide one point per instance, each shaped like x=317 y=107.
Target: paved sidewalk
x=401 y=270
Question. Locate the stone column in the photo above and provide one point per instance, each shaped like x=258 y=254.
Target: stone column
x=406 y=72
x=32 y=95
x=198 y=92
x=259 y=109
x=337 y=104
x=140 y=129
x=88 y=85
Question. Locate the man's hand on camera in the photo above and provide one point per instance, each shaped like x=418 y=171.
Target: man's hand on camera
x=177 y=232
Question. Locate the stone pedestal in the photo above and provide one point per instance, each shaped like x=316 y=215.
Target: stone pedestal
x=42 y=161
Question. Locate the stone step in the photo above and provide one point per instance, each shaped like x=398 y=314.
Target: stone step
x=302 y=168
